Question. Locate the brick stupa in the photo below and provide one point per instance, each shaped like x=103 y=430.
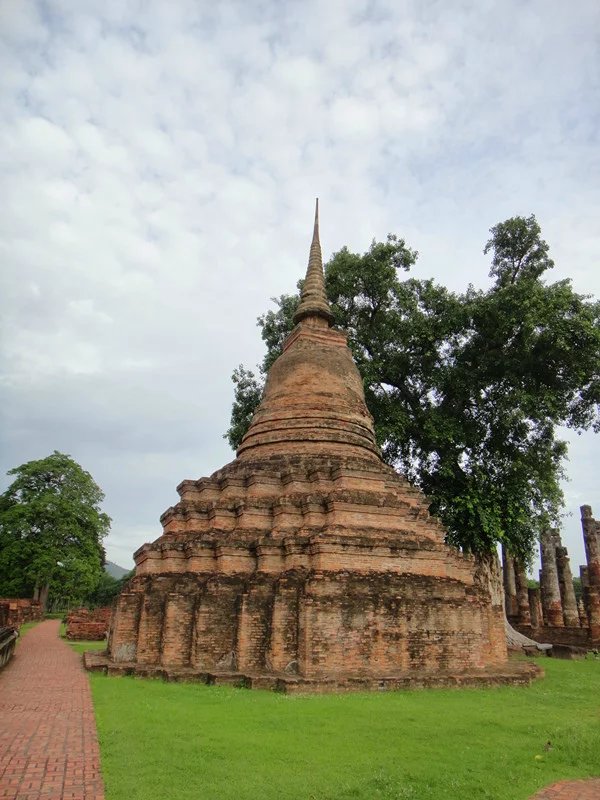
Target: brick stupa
x=307 y=563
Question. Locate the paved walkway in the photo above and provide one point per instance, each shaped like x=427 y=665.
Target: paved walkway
x=571 y=790
x=48 y=743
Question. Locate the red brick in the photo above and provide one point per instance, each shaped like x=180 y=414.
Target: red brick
x=48 y=729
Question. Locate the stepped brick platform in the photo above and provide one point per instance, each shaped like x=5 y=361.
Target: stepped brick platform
x=307 y=563
x=513 y=673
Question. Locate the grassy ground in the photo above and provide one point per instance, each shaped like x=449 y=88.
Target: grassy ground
x=185 y=741
x=81 y=647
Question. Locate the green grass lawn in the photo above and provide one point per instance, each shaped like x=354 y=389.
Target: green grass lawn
x=81 y=647
x=180 y=741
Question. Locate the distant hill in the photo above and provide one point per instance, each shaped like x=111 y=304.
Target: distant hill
x=114 y=570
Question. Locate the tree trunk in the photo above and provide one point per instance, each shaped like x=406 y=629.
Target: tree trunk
x=43 y=596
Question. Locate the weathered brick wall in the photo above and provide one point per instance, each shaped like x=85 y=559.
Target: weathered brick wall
x=14 y=612
x=86 y=625
x=311 y=623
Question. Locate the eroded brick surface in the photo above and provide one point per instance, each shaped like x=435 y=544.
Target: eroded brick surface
x=14 y=612
x=86 y=625
x=48 y=742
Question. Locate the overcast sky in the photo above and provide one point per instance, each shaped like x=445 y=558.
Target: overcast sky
x=158 y=168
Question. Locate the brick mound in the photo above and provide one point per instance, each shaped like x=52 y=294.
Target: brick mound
x=86 y=625
x=325 y=567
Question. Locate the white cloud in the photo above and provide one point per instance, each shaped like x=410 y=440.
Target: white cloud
x=159 y=163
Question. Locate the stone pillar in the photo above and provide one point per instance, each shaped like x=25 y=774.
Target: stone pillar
x=592 y=554
x=583 y=620
x=567 y=590
x=510 y=586
x=523 y=612
x=585 y=594
x=551 y=589
x=544 y=621
x=535 y=608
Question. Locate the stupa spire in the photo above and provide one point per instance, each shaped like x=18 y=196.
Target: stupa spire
x=313 y=300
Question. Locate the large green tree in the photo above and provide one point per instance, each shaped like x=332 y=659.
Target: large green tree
x=467 y=389
x=51 y=531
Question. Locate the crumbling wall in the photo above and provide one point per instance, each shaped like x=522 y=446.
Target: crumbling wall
x=86 y=625
x=14 y=612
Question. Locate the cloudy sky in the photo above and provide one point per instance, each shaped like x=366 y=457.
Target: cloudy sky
x=158 y=168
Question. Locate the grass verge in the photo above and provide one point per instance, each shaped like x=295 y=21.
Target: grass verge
x=27 y=626
x=81 y=647
x=192 y=741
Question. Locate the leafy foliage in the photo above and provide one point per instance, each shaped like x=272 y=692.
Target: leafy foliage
x=106 y=590
x=467 y=390
x=51 y=531
x=248 y=393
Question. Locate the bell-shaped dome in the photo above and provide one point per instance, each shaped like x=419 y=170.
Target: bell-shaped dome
x=314 y=401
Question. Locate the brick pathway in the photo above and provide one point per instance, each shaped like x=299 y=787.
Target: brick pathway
x=48 y=743
x=571 y=790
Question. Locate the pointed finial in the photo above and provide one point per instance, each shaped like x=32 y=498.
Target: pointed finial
x=313 y=300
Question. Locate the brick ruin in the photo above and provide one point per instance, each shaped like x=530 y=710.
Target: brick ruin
x=86 y=625
x=552 y=613
x=15 y=612
x=307 y=563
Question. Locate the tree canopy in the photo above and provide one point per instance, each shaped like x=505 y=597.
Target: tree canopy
x=51 y=531
x=467 y=389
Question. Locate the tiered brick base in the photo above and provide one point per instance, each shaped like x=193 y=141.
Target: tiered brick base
x=308 y=573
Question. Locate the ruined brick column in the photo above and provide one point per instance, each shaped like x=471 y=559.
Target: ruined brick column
x=523 y=612
x=535 y=608
x=567 y=590
x=583 y=619
x=552 y=605
x=585 y=595
x=510 y=586
x=592 y=554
